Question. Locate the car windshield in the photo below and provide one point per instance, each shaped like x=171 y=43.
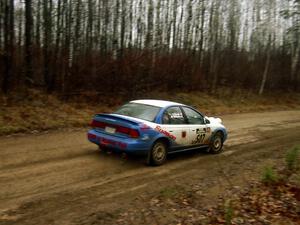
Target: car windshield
x=140 y=111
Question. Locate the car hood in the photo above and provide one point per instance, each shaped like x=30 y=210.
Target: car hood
x=214 y=120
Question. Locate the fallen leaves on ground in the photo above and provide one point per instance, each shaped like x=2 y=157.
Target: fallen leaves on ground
x=257 y=204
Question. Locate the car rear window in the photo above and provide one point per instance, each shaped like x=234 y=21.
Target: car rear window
x=140 y=111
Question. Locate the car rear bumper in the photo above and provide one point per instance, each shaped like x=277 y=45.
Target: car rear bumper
x=119 y=144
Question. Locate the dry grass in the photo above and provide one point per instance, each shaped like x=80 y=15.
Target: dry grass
x=38 y=112
x=239 y=101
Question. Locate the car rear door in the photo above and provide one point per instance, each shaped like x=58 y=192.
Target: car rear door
x=199 y=132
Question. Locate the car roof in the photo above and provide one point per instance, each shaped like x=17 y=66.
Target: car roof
x=158 y=103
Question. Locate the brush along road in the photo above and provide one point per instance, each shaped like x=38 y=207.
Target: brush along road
x=61 y=178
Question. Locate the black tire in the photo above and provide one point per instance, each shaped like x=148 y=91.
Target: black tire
x=103 y=149
x=216 y=144
x=158 y=154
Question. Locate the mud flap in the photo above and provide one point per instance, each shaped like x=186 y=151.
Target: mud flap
x=148 y=159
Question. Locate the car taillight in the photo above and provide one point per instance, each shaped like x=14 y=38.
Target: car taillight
x=123 y=130
x=97 y=124
x=119 y=129
x=134 y=133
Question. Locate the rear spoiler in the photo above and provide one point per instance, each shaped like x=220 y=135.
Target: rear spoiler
x=115 y=117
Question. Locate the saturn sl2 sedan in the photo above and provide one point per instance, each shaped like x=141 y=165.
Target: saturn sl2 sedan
x=157 y=128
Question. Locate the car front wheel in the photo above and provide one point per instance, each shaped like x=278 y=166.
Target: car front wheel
x=216 y=144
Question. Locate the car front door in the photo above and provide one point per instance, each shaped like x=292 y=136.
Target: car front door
x=199 y=132
x=175 y=123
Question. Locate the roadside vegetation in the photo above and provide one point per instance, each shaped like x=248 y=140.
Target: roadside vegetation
x=272 y=199
x=39 y=112
x=90 y=56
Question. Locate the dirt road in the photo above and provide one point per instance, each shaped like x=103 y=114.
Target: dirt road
x=60 y=178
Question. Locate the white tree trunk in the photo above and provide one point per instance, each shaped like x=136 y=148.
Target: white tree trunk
x=295 y=59
x=265 y=74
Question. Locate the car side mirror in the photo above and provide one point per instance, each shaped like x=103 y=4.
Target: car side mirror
x=207 y=121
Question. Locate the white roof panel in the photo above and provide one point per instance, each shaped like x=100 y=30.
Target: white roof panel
x=158 y=103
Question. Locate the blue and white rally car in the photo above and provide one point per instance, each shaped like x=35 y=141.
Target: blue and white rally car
x=157 y=128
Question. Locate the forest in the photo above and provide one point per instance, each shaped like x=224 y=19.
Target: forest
x=136 y=46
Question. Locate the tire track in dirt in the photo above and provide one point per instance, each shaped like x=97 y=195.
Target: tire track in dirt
x=56 y=170
x=101 y=195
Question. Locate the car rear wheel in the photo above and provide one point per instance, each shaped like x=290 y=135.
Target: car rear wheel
x=216 y=144
x=158 y=153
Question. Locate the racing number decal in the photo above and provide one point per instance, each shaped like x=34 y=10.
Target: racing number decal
x=200 y=137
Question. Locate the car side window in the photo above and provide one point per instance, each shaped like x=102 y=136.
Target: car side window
x=193 y=117
x=173 y=115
